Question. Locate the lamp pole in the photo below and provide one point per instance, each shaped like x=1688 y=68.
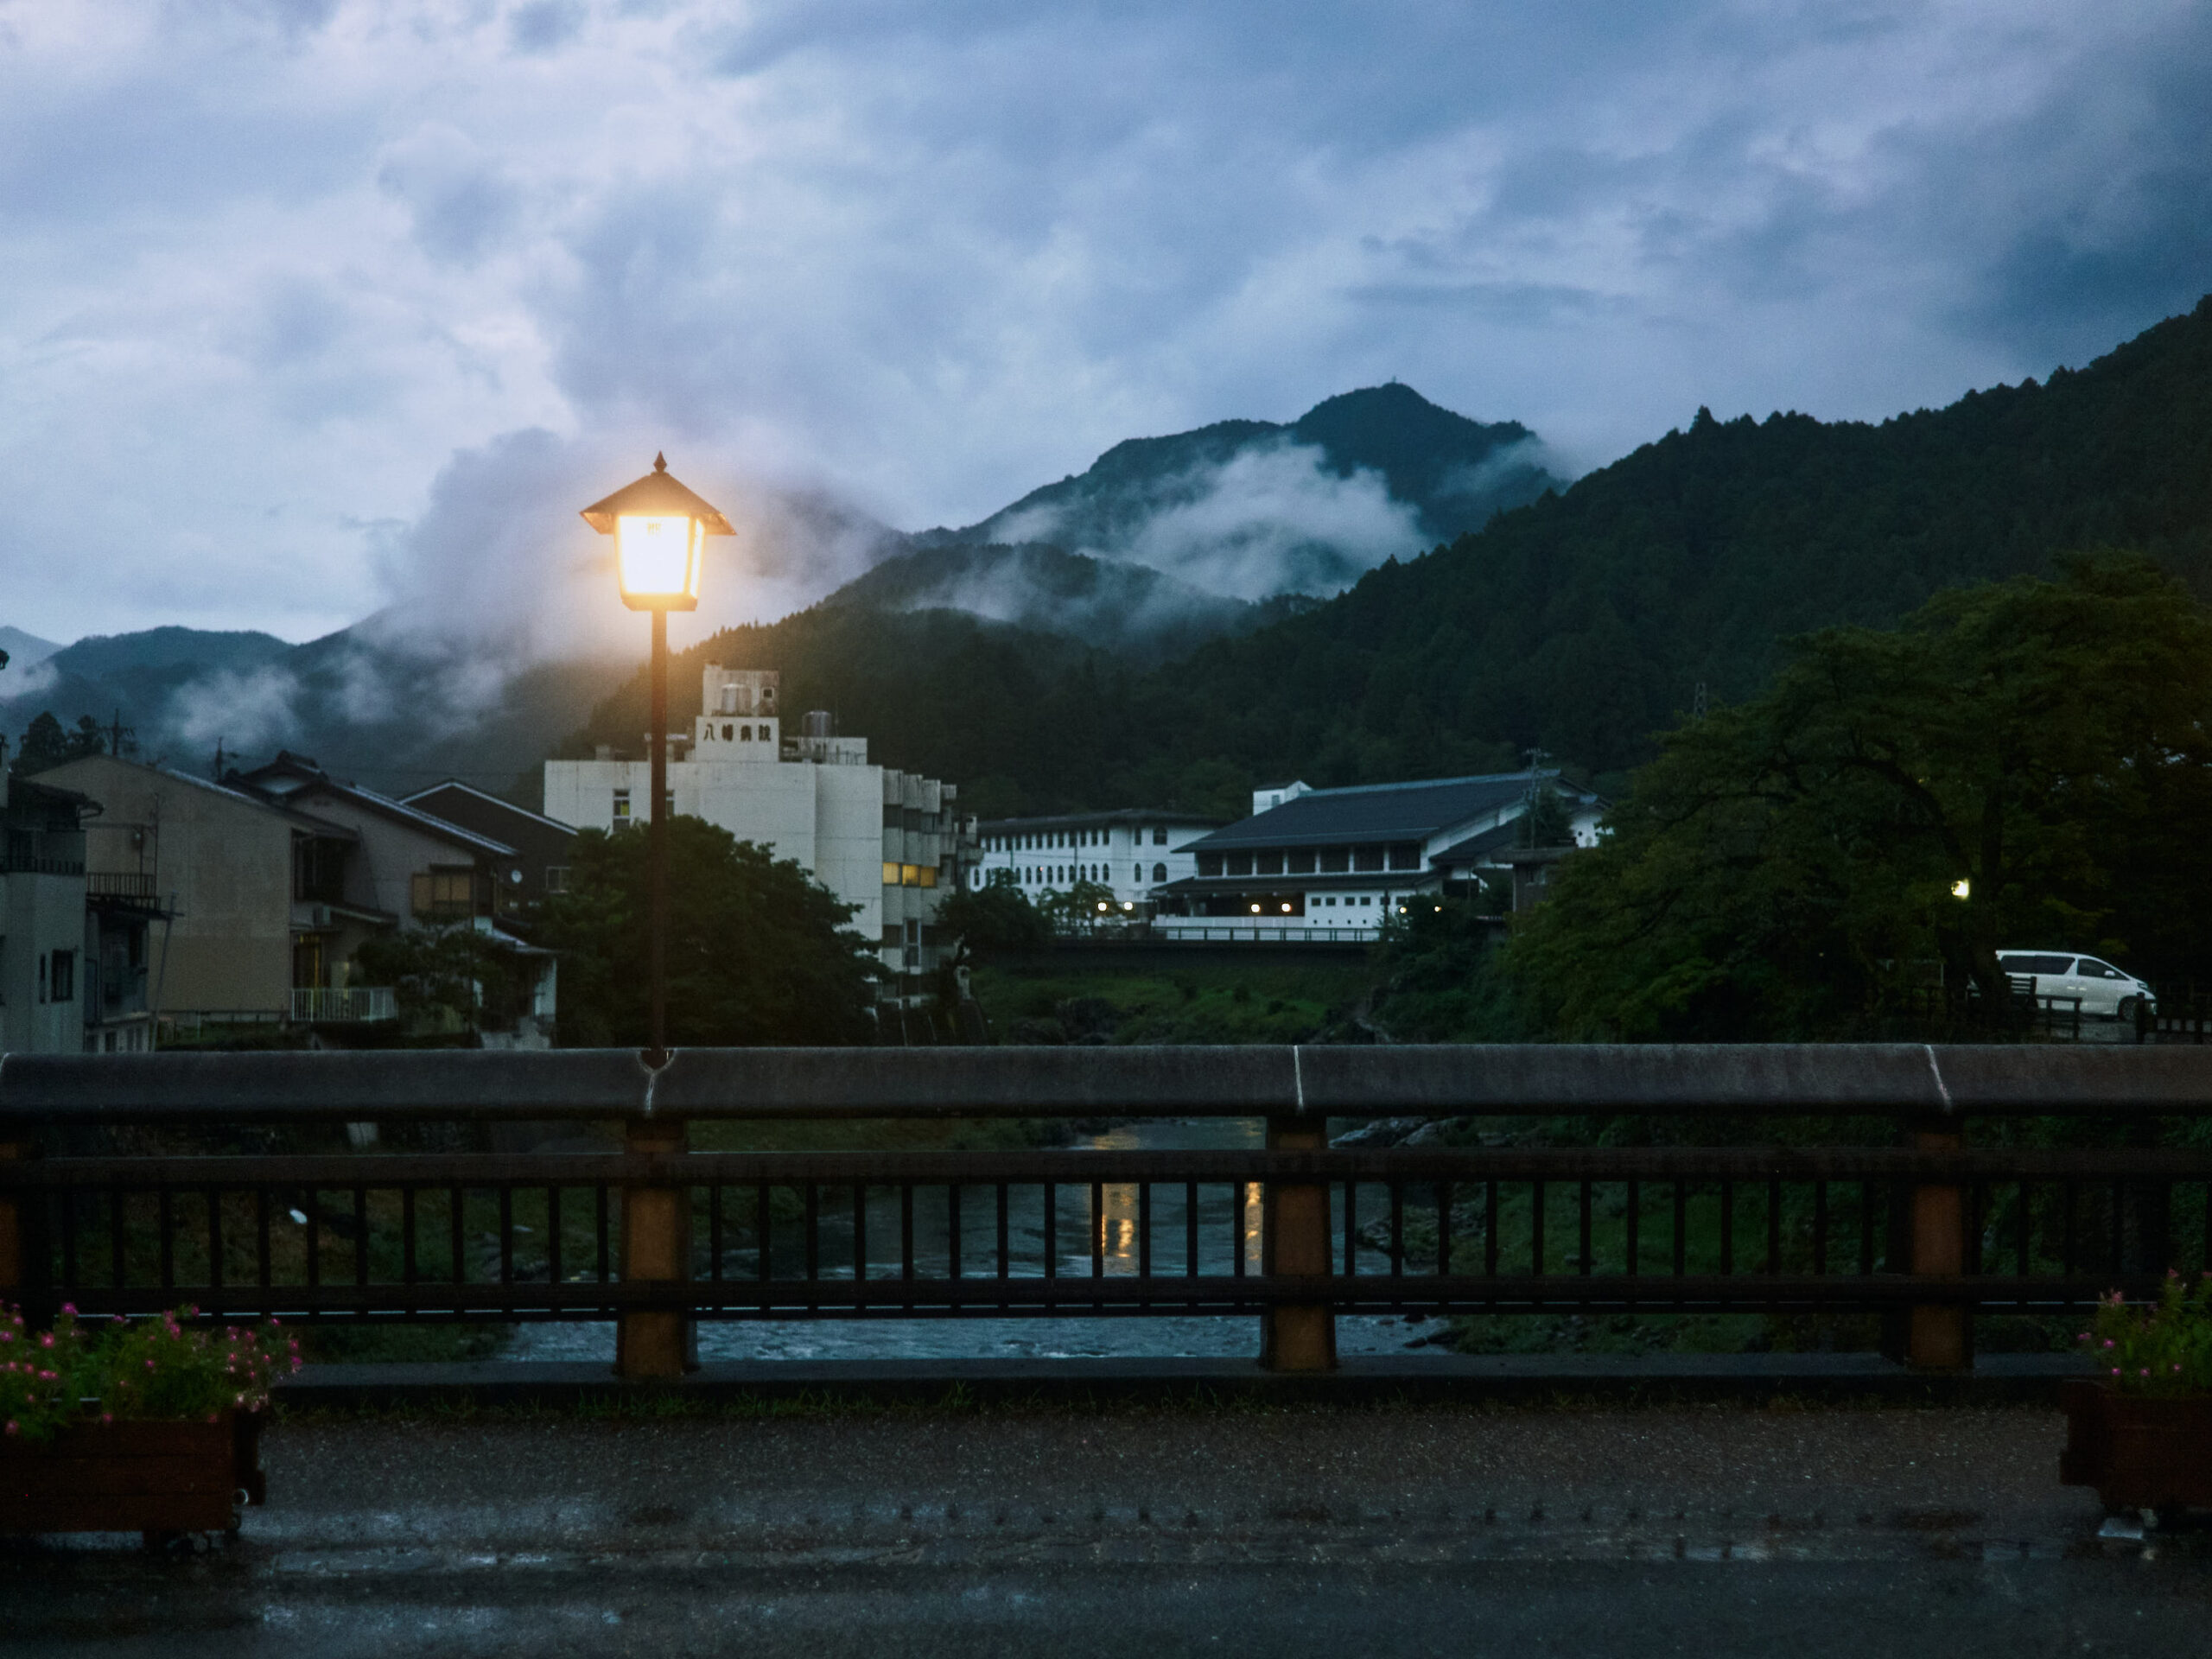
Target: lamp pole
x=659 y=529
x=656 y=853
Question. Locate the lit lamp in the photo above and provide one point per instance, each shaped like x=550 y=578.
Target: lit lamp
x=660 y=529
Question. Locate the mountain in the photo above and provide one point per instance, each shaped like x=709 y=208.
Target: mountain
x=1582 y=622
x=1128 y=610
x=391 y=714
x=1252 y=508
x=23 y=650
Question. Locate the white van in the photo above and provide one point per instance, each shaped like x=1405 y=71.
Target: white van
x=2102 y=988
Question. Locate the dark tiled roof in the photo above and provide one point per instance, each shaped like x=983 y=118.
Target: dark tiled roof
x=1481 y=844
x=1375 y=812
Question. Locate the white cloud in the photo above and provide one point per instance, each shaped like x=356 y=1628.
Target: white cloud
x=276 y=268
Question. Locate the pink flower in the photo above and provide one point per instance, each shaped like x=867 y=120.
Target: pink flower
x=70 y=1308
x=150 y=1364
x=2115 y=1370
x=12 y=1429
x=107 y=1416
x=2107 y=1341
x=46 y=1341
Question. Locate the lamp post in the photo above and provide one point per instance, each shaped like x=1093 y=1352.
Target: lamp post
x=660 y=530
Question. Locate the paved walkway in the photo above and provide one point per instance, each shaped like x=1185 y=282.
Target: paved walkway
x=1143 y=1530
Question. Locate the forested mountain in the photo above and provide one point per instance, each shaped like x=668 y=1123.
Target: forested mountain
x=1252 y=508
x=1581 y=622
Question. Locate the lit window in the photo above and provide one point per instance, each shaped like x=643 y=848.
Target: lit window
x=621 y=806
x=890 y=876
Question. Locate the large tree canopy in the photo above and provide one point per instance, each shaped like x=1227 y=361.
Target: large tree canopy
x=2021 y=765
x=758 y=953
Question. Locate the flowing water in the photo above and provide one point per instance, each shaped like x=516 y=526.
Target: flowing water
x=1228 y=1223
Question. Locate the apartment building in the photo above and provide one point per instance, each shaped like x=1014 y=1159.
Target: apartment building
x=889 y=842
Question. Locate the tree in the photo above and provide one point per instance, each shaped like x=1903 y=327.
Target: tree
x=1080 y=909
x=440 y=974
x=757 y=951
x=2023 y=763
x=46 y=743
x=994 y=919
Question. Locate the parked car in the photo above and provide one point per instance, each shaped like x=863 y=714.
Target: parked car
x=2102 y=988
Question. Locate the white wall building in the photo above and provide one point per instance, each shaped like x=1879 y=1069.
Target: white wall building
x=887 y=840
x=1135 y=852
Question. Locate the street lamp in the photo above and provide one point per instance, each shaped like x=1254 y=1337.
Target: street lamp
x=660 y=529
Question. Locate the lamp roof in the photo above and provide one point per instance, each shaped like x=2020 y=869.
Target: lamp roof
x=656 y=495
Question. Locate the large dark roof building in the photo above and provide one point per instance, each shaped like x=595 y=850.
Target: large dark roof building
x=1338 y=861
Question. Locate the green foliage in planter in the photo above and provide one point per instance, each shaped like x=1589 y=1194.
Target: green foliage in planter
x=2162 y=1351
x=153 y=1369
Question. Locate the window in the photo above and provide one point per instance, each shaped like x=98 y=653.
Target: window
x=1210 y=864
x=1268 y=863
x=1237 y=864
x=557 y=878
x=622 y=807
x=1405 y=855
x=1335 y=861
x=62 y=981
x=1159 y=836
x=1160 y=872
x=1299 y=863
x=1367 y=858
x=890 y=876
x=2090 y=968
x=444 y=895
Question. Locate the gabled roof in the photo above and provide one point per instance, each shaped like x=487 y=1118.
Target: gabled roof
x=1479 y=845
x=290 y=774
x=489 y=800
x=1411 y=812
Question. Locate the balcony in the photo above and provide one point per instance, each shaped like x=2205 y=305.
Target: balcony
x=343 y=1004
x=119 y=888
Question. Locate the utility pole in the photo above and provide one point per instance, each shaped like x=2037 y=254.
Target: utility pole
x=116 y=733
x=218 y=759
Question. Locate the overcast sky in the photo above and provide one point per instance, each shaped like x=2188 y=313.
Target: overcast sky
x=300 y=299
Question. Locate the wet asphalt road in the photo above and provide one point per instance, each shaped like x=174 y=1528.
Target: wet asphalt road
x=1133 y=1530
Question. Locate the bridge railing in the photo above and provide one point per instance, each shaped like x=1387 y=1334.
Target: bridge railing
x=1924 y=1228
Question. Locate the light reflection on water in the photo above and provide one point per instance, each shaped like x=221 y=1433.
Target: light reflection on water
x=1229 y=1223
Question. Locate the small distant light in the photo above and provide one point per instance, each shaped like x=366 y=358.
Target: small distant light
x=1961 y=888
x=1255 y=909
x=1439 y=909
x=1101 y=906
x=300 y=1216
x=1286 y=910
x=1128 y=904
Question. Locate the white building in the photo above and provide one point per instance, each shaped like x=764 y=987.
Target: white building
x=1330 y=864
x=1135 y=852
x=884 y=840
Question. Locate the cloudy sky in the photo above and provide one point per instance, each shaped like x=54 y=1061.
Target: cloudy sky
x=310 y=305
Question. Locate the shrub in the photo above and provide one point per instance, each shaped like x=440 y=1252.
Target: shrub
x=2162 y=1349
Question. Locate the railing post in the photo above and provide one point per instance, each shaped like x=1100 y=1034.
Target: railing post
x=656 y=1248
x=1302 y=1336
x=26 y=1270
x=1938 y=1336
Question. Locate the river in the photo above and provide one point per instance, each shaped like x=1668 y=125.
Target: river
x=1042 y=1338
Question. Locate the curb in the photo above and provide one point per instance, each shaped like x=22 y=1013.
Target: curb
x=1463 y=1379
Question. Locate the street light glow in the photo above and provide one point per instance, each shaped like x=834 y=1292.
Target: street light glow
x=657 y=558
x=660 y=530
x=1961 y=888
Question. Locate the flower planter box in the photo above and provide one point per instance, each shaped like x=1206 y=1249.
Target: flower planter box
x=2140 y=1454
x=134 y=1477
